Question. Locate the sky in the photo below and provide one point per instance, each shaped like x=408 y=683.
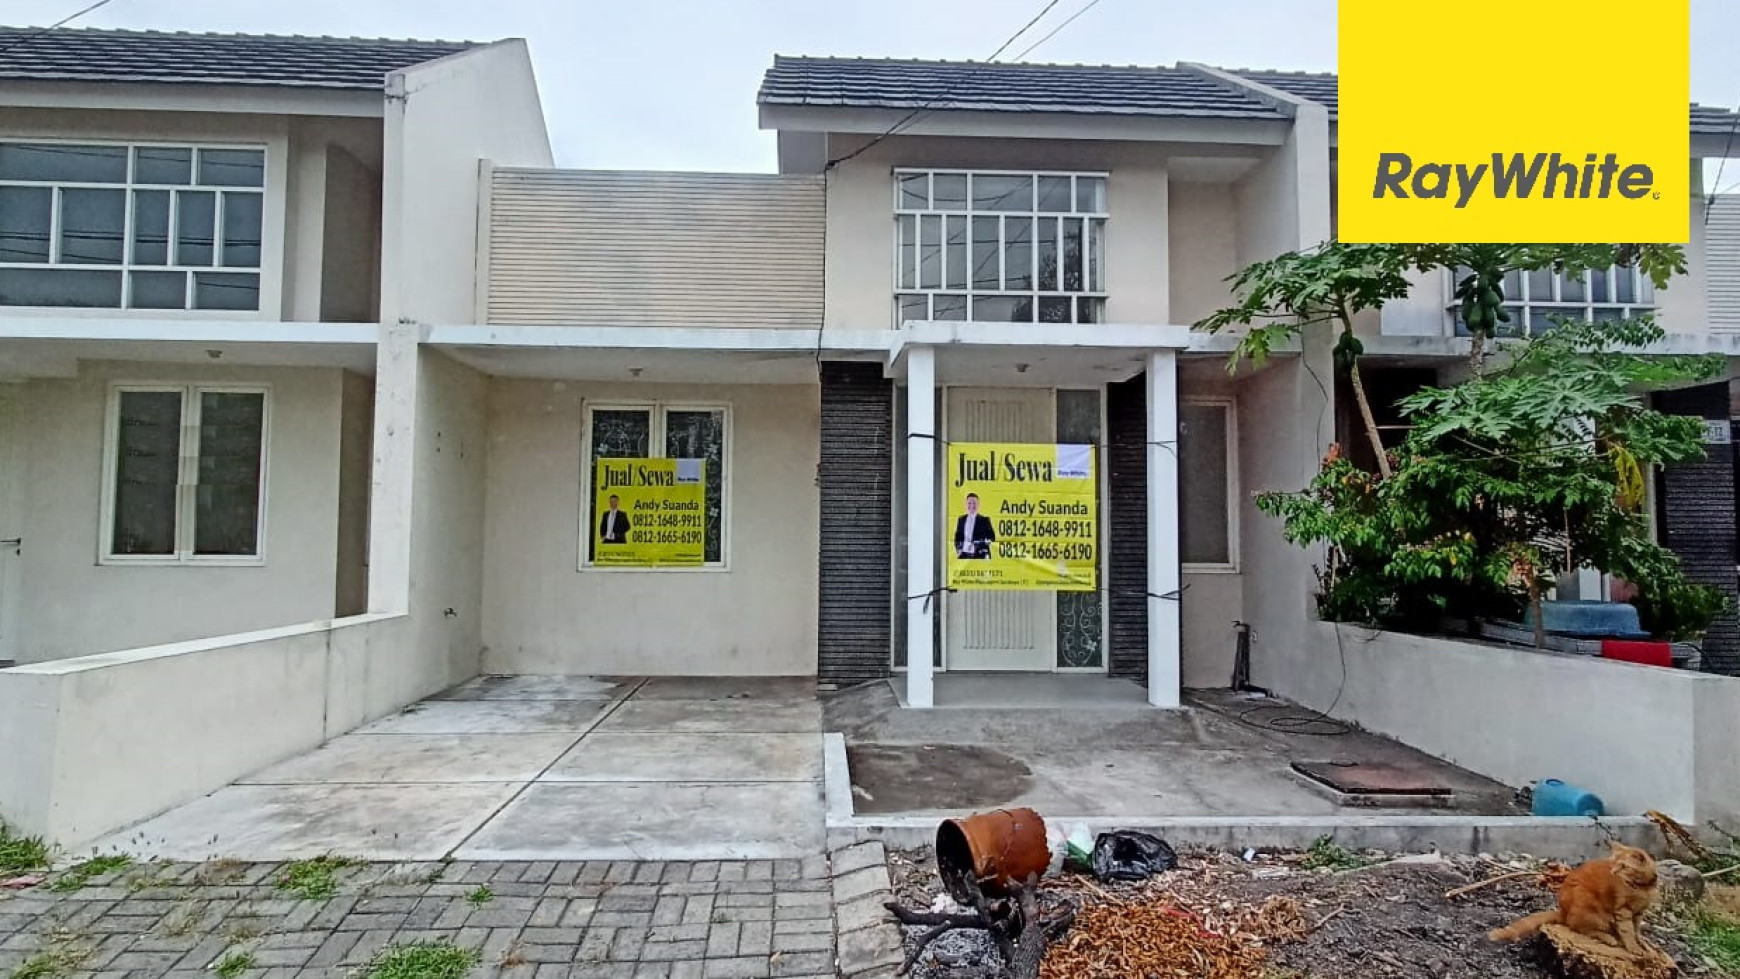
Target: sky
x=670 y=84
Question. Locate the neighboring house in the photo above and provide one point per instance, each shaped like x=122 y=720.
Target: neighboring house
x=240 y=231
x=199 y=235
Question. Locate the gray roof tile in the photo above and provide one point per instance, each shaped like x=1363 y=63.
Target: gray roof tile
x=91 y=55
x=1004 y=87
x=1706 y=120
x=1311 y=86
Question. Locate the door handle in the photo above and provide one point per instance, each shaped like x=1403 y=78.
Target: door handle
x=12 y=542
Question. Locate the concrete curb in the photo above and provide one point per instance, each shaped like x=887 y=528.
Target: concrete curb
x=1554 y=837
x=866 y=941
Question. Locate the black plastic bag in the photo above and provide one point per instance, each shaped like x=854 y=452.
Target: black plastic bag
x=1129 y=855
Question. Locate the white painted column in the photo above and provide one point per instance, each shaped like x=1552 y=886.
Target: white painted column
x=920 y=523
x=395 y=462
x=1165 y=647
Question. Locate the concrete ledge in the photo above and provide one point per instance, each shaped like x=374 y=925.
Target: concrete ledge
x=141 y=654
x=1561 y=838
x=866 y=939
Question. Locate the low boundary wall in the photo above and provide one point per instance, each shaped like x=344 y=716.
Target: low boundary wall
x=1640 y=737
x=99 y=742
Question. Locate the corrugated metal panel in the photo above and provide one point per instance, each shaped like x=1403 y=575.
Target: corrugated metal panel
x=656 y=249
x=1722 y=249
x=1127 y=468
x=857 y=533
x=1697 y=519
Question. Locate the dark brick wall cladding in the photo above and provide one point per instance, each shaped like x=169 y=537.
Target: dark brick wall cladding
x=857 y=465
x=1695 y=514
x=1127 y=465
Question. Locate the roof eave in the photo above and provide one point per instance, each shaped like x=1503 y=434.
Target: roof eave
x=1121 y=126
x=154 y=96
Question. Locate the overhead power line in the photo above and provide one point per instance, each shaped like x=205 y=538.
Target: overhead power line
x=1716 y=185
x=1091 y=4
x=69 y=18
x=947 y=96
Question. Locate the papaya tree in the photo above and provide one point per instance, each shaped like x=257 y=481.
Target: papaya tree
x=1333 y=283
x=1506 y=482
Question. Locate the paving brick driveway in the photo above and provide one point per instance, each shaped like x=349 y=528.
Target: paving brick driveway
x=622 y=920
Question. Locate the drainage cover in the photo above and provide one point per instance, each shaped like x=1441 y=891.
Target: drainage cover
x=1358 y=778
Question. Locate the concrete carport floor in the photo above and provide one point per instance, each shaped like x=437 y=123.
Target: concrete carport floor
x=1089 y=747
x=534 y=768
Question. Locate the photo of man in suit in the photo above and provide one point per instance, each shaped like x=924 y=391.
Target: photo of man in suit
x=614 y=528
x=973 y=533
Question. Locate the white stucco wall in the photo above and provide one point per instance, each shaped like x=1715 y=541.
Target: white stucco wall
x=1212 y=603
x=447 y=522
x=425 y=534
x=72 y=605
x=443 y=120
x=542 y=615
x=1278 y=579
x=1683 y=307
x=860 y=268
x=1204 y=249
x=350 y=267
x=1639 y=737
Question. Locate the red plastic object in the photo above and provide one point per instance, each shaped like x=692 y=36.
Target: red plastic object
x=1632 y=651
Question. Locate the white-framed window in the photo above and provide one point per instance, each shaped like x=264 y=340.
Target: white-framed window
x=661 y=430
x=1534 y=298
x=999 y=246
x=1208 y=484
x=185 y=474
x=131 y=225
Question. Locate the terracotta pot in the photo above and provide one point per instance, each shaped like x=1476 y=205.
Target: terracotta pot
x=990 y=852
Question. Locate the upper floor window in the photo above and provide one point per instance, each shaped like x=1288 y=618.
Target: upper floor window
x=1001 y=247
x=111 y=226
x=1598 y=295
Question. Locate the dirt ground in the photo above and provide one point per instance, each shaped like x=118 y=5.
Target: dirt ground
x=1382 y=921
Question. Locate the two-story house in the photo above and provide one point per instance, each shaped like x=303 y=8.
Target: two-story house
x=316 y=362
x=200 y=237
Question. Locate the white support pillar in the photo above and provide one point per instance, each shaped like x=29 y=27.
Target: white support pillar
x=920 y=523
x=395 y=462
x=1165 y=597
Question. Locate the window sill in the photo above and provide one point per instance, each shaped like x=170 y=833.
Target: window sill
x=632 y=569
x=110 y=312
x=1209 y=569
x=128 y=561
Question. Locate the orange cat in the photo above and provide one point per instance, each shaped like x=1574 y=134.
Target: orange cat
x=1602 y=899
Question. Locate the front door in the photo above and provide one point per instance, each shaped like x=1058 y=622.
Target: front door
x=1012 y=630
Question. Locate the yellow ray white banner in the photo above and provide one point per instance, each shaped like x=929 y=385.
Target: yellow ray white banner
x=1514 y=120
x=650 y=513
x=1022 y=516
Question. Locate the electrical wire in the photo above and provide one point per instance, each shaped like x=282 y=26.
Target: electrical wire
x=1027 y=27
x=1030 y=48
x=1716 y=185
x=69 y=18
x=948 y=95
x=1303 y=720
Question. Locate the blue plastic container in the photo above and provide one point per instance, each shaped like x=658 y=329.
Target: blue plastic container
x=1555 y=798
x=1586 y=619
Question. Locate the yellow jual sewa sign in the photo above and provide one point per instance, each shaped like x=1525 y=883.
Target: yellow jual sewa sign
x=1022 y=516
x=649 y=513
x=1500 y=121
